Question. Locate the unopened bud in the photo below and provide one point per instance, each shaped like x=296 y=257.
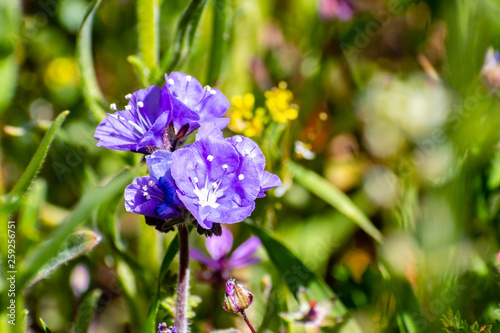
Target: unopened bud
x=237 y=298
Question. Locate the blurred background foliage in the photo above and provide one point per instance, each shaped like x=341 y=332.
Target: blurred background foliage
x=391 y=166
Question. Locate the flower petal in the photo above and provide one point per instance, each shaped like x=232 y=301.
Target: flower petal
x=140 y=126
x=159 y=163
x=212 y=128
x=219 y=246
x=192 y=103
x=200 y=257
x=142 y=198
x=244 y=254
x=267 y=182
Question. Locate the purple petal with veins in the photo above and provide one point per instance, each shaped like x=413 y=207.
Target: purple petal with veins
x=139 y=126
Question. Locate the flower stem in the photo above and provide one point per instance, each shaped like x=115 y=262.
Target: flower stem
x=183 y=284
x=247 y=321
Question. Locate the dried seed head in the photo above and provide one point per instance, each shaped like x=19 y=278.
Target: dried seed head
x=237 y=298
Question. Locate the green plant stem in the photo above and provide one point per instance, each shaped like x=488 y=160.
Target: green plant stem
x=183 y=283
x=247 y=321
x=148 y=17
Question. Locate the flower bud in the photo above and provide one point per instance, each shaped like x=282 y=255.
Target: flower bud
x=237 y=298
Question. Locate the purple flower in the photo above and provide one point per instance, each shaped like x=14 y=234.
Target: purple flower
x=155 y=195
x=341 y=9
x=221 y=263
x=193 y=104
x=161 y=118
x=140 y=127
x=491 y=69
x=219 y=179
x=162 y=328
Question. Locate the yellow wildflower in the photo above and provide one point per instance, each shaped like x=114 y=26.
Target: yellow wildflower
x=279 y=102
x=242 y=118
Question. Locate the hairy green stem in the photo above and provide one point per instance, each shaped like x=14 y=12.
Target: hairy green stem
x=148 y=19
x=181 y=321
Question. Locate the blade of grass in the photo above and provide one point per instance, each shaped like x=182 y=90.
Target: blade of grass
x=218 y=43
x=77 y=244
x=36 y=162
x=86 y=311
x=91 y=92
x=29 y=212
x=173 y=248
x=338 y=199
x=44 y=326
x=42 y=253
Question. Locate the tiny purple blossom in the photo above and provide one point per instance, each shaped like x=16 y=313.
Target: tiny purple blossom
x=155 y=195
x=162 y=328
x=340 y=9
x=221 y=262
x=160 y=118
x=219 y=179
x=491 y=69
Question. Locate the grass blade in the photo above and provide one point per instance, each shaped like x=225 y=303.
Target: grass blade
x=167 y=260
x=44 y=326
x=36 y=162
x=86 y=311
x=41 y=254
x=338 y=199
x=218 y=44
x=91 y=91
x=76 y=245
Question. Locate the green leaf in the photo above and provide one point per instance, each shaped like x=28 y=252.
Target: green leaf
x=29 y=212
x=86 y=311
x=10 y=40
x=218 y=41
x=9 y=74
x=77 y=244
x=294 y=272
x=91 y=201
x=173 y=248
x=148 y=20
x=338 y=199
x=36 y=162
x=44 y=326
x=188 y=22
x=297 y=275
x=91 y=92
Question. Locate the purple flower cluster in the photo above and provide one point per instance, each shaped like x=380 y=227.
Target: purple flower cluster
x=160 y=118
x=215 y=179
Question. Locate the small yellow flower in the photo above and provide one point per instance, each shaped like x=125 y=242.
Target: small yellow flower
x=242 y=118
x=279 y=102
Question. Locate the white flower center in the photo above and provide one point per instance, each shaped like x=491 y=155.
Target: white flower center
x=208 y=195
